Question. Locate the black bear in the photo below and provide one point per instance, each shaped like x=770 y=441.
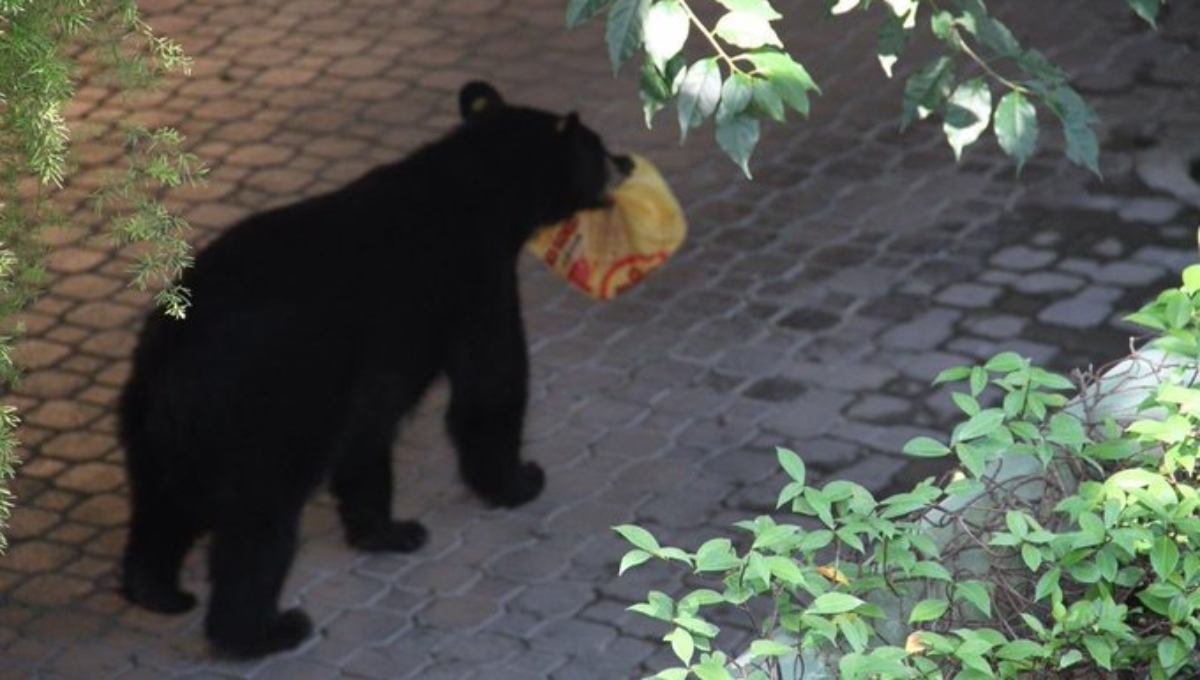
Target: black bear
x=315 y=327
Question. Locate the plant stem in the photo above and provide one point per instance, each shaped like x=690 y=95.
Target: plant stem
x=712 y=39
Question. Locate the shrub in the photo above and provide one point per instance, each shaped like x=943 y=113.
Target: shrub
x=1065 y=543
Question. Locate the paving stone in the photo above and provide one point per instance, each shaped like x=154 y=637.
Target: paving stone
x=296 y=669
x=1128 y=274
x=849 y=376
x=810 y=415
x=878 y=407
x=998 y=326
x=1109 y=247
x=968 y=295
x=775 y=389
x=1150 y=210
x=1044 y=283
x=809 y=319
x=1175 y=260
x=925 y=332
x=1023 y=258
x=458 y=612
x=37 y=556
x=925 y=366
x=1077 y=312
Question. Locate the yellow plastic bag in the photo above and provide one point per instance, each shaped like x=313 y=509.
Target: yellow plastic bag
x=605 y=252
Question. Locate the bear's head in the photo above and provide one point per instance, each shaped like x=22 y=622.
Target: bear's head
x=555 y=162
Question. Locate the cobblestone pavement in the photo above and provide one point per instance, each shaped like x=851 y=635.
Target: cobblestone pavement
x=810 y=308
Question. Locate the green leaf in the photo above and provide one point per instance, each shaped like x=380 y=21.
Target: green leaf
x=579 y=11
x=1066 y=429
x=1171 y=652
x=765 y=648
x=658 y=606
x=746 y=30
x=774 y=537
x=953 y=374
x=790 y=79
x=979 y=378
x=1148 y=10
x=926 y=90
x=928 y=610
x=996 y=37
x=735 y=97
x=1020 y=650
x=856 y=632
x=851 y=539
x=1005 y=362
x=791 y=463
x=717 y=555
x=1077 y=120
x=1071 y=658
x=697 y=626
x=980 y=425
x=1016 y=127
x=821 y=505
x=942 y=25
x=786 y=570
x=639 y=537
x=626 y=19
x=737 y=138
x=1164 y=557
x=759 y=8
x=671 y=674
x=815 y=540
x=972 y=458
x=1048 y=584
x=834 y=603
x=632 y=559
x=966 y=403
x=766 y=100
x=1191 y=279
x=1100 y=649
x=905 y=9
x=1017 y=523
x=682 y=644
x=930 y=570
x=975 y=592
x=713 y=668
x=891 y=43
x=654 y=90
x=699 y=94
x=1032 y=556
x=666 y=31
x=843 y=6
x=926 y=447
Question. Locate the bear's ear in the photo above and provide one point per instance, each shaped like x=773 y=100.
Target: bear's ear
x=478 y=97
x=567 y=123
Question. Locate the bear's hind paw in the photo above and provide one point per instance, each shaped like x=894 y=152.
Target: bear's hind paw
x=526 y=482
x=392 y=536
x=160 y=599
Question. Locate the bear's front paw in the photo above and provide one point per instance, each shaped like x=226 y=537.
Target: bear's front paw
x=391 y=536
x=522 y=486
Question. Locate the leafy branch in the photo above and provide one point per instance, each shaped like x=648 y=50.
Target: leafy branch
x=38 y=72
x=738 y=100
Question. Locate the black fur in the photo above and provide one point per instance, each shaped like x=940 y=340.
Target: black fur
x=315 y=328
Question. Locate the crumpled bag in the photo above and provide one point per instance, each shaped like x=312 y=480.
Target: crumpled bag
x=605 y=252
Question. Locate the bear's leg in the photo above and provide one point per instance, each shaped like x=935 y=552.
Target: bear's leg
x=489 y=382
x=159 y=538
x=362 y=484
x=250 y=558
